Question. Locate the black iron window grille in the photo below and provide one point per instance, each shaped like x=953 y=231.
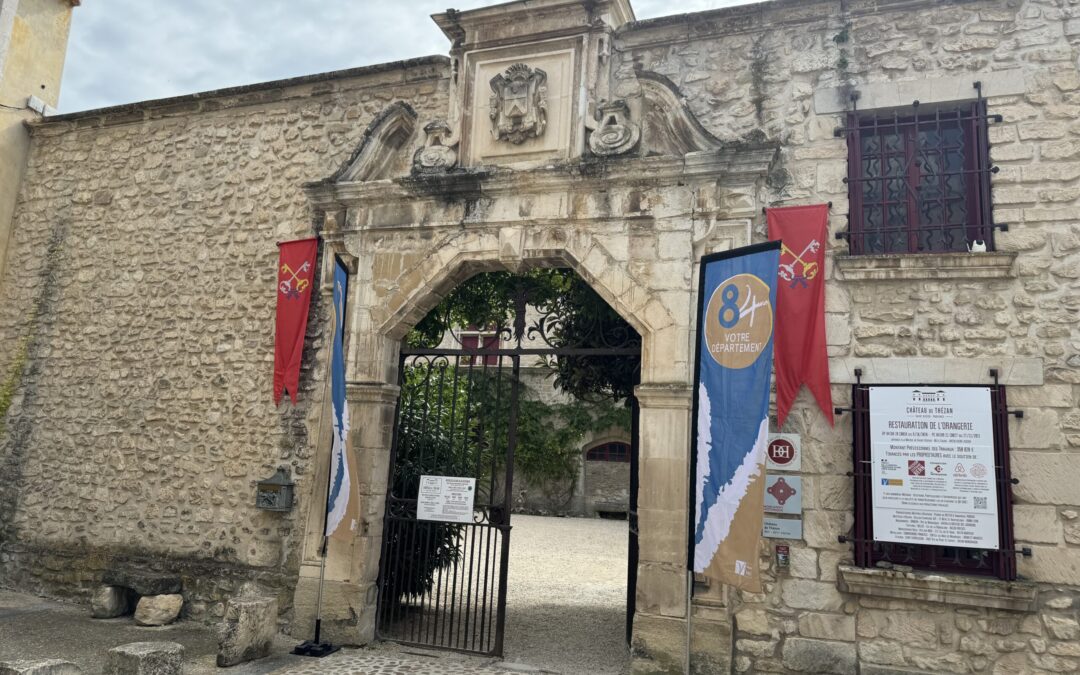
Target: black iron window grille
x=919 y=181
x=609 y=452
x=1000 y=562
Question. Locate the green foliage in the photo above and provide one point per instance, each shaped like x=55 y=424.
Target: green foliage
x=577 y=317
x=454 y=420
x=550 y=436
x=14 y=376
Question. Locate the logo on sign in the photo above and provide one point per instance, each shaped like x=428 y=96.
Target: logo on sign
x=918 y=396
x=916 y=467
x=798 y=271
x=781 y=451
x=292 y=285
x=781 y=491
x=738 y=321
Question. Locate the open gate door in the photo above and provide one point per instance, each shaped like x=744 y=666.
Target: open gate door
x=442 y=582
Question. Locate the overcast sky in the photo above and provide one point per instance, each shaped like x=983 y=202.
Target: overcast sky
x=133 y=50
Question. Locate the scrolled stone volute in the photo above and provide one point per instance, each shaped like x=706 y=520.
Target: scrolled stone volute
x=615 y=133
x=439 y=152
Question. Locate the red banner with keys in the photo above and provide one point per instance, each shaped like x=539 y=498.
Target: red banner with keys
x=801 y=355
x=296 y=269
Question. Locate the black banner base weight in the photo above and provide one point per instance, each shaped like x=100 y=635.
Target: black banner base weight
x=316 y=649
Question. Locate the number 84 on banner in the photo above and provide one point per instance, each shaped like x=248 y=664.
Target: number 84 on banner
x=736 y=332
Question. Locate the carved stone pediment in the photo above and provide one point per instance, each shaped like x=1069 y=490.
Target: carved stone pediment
x=518 y=104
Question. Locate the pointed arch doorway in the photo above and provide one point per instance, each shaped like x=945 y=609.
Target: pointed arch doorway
x=443 y=580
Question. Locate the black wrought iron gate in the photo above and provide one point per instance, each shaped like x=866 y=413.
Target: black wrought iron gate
x=444 y=584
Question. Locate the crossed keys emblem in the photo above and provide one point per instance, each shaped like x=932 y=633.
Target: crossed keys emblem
x=807 y=270
x=295 y=284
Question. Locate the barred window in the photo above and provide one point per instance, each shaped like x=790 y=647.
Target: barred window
x=1000 y=563
x=919 y=182
x=609 y=452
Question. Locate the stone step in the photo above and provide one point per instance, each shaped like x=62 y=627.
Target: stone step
x=145 y=658
x=48 y=667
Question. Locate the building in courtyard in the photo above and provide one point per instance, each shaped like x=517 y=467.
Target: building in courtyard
x=137 y=304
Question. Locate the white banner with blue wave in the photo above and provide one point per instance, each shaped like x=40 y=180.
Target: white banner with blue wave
x=341 y=501
x=736 y=316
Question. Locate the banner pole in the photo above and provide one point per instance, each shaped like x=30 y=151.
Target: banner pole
x=689 y=617
x=318 y=601
x=316 y=647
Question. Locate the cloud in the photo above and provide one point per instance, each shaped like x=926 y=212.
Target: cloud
x=122 y=51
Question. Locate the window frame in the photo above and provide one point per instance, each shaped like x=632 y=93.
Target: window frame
x=481 y=343
x=974 y=121
x=621 y=457
x=999 y=563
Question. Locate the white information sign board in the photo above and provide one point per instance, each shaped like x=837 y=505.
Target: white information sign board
x=932 y=466
x=446 y=498
x=782 y=528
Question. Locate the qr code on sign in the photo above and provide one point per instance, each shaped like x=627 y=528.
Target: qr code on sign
x=980 y=503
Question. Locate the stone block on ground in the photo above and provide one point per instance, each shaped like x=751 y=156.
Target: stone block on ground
x=158 y=610
x=112 y=601
x=248 y=631
x=143 y=583
x=145 y=658
x=46 y=667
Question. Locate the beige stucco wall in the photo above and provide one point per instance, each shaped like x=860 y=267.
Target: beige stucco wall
x=33 y=46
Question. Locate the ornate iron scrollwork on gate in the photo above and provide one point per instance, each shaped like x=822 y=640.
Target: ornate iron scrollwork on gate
x=443 y=584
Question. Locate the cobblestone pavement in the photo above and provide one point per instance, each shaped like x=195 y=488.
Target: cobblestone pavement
x=387 y=659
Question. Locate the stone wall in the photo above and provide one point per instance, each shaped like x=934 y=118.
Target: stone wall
x=135 y=327
x=137 y=332
x=786 y=69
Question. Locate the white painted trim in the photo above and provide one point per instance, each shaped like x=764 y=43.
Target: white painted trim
x=926 y=91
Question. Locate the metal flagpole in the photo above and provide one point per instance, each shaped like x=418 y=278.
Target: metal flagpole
x=316 y=647
x=689 y=617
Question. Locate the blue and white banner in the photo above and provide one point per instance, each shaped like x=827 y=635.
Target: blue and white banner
x=341 y=502
x=736 y=313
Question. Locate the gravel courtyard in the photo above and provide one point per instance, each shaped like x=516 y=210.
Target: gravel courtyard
x=566 y=602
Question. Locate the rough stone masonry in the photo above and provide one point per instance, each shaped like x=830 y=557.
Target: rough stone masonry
x=137 y=305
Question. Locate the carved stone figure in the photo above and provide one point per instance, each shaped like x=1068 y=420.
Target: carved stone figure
x=438 y=153
x=614 y=134
x=518 y=103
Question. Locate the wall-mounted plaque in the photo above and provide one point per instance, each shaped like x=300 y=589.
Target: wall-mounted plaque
x=782 y=528
x=446 y=498
x=784 y=453
x=932 y=466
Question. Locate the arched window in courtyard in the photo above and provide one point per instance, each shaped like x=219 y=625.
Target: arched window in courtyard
x=615 y=451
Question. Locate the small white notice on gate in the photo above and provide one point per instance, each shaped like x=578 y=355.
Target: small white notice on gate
x=446 y=498
x=932 y=463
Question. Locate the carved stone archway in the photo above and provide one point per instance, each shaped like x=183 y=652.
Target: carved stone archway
x=631 y=216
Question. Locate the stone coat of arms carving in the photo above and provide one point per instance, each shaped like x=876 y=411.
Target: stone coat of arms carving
x=518 y=103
